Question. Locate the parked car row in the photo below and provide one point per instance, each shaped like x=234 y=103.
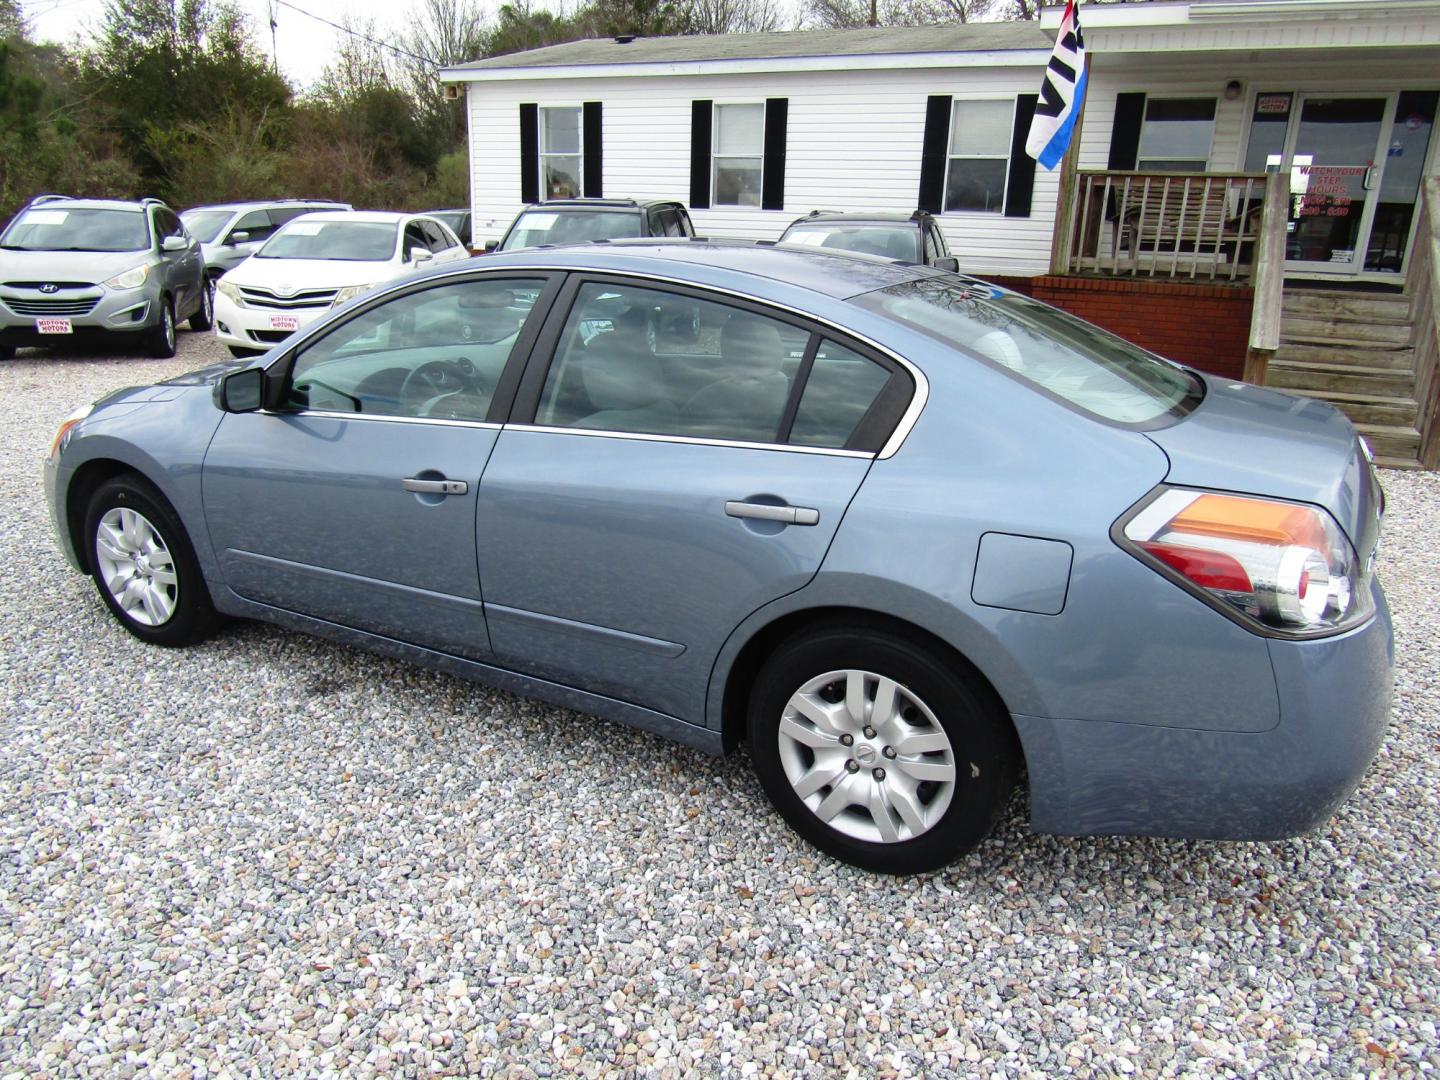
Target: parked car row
x=270 y=268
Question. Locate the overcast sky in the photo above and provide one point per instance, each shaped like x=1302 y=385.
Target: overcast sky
x=305 y=45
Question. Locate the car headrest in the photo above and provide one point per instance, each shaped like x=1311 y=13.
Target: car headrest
x=750 y=345
x=620 y=371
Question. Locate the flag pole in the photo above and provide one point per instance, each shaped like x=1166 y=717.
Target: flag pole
x=1065 y=207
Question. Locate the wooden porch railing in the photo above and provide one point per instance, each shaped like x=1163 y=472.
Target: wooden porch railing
x=1423 y=285
x=1192 y=226
x=1268 y=278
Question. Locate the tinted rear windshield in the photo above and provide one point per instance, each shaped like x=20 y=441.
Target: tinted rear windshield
x=54 y=228
x=536 y=227
x=205 y=225
x=341 y=241
x=891 y=241
x=1062 y=355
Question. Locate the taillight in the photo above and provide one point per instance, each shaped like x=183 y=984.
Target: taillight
x=1284 y=567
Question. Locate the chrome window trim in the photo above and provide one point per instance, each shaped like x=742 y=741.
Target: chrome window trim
x=908 y=418
x=690 y=440
x=374 y=417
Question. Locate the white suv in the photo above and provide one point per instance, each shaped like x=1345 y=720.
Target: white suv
x=317 y=261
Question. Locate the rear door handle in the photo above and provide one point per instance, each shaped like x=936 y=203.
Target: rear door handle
x=789 y=515
x=435 y=487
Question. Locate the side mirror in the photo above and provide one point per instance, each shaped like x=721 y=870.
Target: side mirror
x=174 y=243
x=243 y=391
x=491 y=245
x=419 y=256
x=947 y=262
x=235 y=239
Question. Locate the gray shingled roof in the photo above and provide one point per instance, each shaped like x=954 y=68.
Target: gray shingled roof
x=976 y=37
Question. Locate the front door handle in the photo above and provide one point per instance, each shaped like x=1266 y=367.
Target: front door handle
x=789 y=515
x=435 y=487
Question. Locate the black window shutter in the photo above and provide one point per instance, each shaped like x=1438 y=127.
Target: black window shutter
x=1125 y=134
x=594 y=151
x=529 y=153
x=1021 y=182
x=772 y=186
x=932 y=154
x=700 y=117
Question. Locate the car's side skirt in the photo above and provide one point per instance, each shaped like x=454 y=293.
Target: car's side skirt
x=552 y=693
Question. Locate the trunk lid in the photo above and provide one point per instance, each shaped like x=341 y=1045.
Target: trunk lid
x=1251 y=440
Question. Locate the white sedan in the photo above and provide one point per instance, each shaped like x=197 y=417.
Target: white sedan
x=320 y=260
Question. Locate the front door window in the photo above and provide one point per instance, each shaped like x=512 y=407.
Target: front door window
x=1332 y=170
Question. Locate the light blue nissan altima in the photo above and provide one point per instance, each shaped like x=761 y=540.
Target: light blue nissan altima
x=905 y=534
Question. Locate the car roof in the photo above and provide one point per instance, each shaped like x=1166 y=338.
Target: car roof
x=97 y=204
x=375 y=217
x=834 y=274
x=260 y=203
x=883 y=217
x=601 y=204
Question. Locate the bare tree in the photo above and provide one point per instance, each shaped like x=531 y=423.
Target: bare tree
x=845 y=14
x=736 y=16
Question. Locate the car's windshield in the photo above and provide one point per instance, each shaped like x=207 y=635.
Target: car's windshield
x=891 y=241
x=536 y=227
x=56 y=228
x=205 y=225
x=1080 y=363
x=341 y=241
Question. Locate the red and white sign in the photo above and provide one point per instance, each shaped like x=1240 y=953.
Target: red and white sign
x=284 y=322
x=53 y=326
x=1272 y=104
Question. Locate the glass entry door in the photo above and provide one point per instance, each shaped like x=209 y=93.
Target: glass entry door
x=1336 y=161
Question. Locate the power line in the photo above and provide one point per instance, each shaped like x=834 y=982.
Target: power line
x=356 y=33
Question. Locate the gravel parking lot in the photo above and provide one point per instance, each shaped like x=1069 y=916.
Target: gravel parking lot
x=273 y=854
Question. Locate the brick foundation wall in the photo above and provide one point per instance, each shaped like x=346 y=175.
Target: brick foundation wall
x=1204 y=326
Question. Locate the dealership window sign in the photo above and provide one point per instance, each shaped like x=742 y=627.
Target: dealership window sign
x=1272 y=104
x=1328 y=190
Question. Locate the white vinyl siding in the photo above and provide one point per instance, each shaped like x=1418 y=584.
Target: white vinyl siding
x=854 y=143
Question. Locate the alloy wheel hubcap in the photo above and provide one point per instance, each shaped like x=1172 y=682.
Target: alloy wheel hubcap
x=136 y=566
x=867 y=756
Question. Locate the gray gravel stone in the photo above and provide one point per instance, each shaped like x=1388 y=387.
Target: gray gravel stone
x=273 y=855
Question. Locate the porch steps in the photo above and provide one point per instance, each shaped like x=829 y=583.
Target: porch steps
x=1353 y=350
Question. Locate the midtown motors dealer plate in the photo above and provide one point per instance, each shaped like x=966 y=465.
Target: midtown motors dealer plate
x=53 y=326
x=284 y=322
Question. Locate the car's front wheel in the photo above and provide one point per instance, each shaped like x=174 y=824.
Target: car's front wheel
x=161 y=341
x=144 y=565
x=204 y=316
x=879 y=750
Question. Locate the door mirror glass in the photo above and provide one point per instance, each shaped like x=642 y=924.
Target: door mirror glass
x=491 y=245
x=948 y=262
x=243 y=391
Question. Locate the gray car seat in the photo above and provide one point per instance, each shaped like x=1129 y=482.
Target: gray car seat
x=747 y=403
x=626 y=384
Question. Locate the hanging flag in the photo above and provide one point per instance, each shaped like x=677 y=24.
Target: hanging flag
x=1061 y=94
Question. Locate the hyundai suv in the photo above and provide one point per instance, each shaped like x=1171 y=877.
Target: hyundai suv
x=578 y=221
x=99 y=268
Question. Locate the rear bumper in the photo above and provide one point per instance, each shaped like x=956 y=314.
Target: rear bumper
x=1094 y=778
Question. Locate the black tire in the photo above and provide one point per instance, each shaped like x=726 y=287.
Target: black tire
x=7 y=352
x=193 y=617
x=241 y=353
x=981 y=740
x=204 y=316
x=160 y=341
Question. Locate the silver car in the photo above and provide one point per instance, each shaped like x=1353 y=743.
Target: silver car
x=97 y=268
x=908 y=535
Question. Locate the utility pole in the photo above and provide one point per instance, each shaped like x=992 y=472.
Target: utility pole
x=274 y=48
x=874 y=13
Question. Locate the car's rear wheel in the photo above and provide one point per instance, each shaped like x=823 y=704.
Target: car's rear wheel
x=878 y=750
x=144 y=565
x=204 y=316
x=161 y=341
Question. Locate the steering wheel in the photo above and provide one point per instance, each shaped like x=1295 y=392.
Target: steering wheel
x=437 y=379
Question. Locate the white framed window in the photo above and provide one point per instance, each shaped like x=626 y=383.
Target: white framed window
x=737 y=155
x=561 y=152
x=1176 y=135
x=979 y=152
